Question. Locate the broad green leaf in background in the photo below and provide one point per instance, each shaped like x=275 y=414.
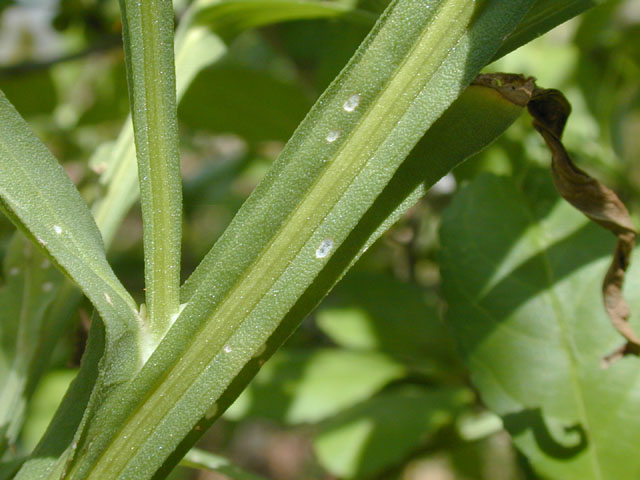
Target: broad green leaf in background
x=300 y=387
x=522 y=274
x=383 y=431
x=19 y=87
x=378 y=312
x=283 y=104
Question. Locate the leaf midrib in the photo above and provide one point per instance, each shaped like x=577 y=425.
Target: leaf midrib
x=556 y=305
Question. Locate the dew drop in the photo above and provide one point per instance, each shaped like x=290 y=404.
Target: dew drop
x=352 y=103
x=213 y=410
x=47 y=286
x=445 y=186
x=332 y=136
x=227 y=349
x=108 y=298
x=324 y=249
x=261 y=349
x=57 y=229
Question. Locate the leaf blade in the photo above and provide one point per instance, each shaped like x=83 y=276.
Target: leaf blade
x=527 y=306
x=31 y=184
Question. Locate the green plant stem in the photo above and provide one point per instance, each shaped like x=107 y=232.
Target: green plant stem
x=148 y=39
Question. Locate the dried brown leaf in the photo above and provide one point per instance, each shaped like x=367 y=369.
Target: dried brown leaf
x=550 y=110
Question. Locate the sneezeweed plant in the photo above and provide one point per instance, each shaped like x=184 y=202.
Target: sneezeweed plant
x=154 y=377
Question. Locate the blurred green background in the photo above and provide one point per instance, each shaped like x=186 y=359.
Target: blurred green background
x=371 y=386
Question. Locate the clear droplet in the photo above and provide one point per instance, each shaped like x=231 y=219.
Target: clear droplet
x=57 y=229
x=445 y=186
x=324 y=249
x=227 y=349
x=352 y=103
x=261 y=349
x=213 y=410
x=108 y=298
x=333 y=135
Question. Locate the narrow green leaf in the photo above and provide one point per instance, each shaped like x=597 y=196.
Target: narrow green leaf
x=148 y=43
x=522 y=273
x=40 y=199
x=196 y=47
x=338 y=162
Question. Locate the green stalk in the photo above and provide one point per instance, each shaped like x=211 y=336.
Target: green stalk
x=148 y=40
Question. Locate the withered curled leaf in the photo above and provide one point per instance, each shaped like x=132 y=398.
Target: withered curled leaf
x=550 y=110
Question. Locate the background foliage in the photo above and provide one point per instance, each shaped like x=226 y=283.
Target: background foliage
x=485 y=296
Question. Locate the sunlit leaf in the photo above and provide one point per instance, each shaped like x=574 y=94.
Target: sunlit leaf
x=522 y=273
